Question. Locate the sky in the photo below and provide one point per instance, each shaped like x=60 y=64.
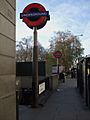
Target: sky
x=72 y=15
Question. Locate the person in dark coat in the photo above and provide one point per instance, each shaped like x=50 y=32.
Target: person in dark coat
x=61 y=77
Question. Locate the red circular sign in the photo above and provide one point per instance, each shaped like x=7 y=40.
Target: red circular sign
x=57 y=54
x=40 y=21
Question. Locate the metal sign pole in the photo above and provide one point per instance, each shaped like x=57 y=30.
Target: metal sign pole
x=57 y=66
x=38 y=19
x=35 y=71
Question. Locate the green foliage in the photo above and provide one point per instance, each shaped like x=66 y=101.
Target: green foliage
x=69 y=45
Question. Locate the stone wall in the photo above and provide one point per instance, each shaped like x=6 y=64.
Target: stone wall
x=7 y=60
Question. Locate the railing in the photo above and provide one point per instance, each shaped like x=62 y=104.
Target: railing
x=46 y=86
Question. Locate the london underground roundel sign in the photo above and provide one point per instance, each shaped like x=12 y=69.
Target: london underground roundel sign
x=57 y=54
x=35 y=15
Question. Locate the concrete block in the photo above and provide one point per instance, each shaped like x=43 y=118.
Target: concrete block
x=7 y=46
x=12 y=3
x=8 y=108
x=7 y=85
x=7 y=28
x=8 y=11
x=7 y=65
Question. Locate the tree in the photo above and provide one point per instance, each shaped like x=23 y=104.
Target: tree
x=41 y=52
x=69 y=45
x=24 y=50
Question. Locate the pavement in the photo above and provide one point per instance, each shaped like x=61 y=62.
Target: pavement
x=64 y=104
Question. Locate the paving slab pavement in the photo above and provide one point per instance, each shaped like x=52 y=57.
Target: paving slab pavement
x=64 y=104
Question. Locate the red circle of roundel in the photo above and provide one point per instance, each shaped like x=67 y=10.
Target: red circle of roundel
x=57 y=54
x=40 y=21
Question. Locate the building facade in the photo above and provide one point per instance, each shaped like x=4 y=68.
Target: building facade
x=7 y=60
